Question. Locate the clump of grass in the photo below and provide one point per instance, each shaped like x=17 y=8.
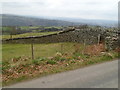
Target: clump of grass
x=78 y=56
x=21 y=78
x=42 y=59
x=16 y=59
x=73 y=62
x=52 y=62
x=62 y=59
x=58 y=58
x=5 y=65
x=75 y=56
x=115 y=54
x=38 y=61
x=89 y=62
x=106 y=57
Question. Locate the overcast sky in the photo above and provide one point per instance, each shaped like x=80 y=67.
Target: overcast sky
x=86 y=9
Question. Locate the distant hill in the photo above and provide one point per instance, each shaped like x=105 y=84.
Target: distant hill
x=107 y=23
x=15 y=20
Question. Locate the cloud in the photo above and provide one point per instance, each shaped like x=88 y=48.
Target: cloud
x=89 y=9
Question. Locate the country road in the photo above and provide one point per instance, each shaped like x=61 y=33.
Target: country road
x=104 y=75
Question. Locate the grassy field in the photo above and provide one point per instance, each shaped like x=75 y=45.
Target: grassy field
x=27 y=35
x=34 y=27
x=10 y=51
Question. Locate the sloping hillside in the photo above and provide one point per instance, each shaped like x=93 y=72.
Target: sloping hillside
x=14 y=20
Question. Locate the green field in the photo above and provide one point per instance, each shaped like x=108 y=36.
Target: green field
x=27 y=35
x=10 y=51
x=26 y=31
x=34 y=27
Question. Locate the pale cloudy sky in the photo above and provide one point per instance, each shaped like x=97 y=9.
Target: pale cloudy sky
x=86 y=9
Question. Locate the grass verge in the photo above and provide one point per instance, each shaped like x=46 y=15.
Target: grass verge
x=45 y=66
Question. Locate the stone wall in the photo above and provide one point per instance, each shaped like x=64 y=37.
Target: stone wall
x=87 y=36
x=112 y=40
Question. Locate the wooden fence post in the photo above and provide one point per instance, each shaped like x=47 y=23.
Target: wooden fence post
x=84 y=46
x=98 y=39
x=61 y=48
x=32 y=50
x=84 y=42
x=10 y=36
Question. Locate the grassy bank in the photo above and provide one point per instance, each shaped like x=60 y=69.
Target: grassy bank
x=52 y=58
